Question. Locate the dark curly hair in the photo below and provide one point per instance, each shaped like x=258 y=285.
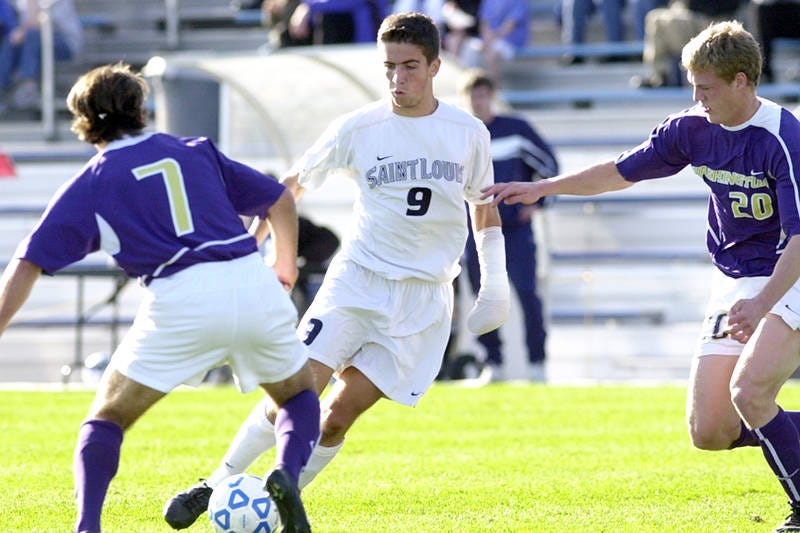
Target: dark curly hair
x=107 y=103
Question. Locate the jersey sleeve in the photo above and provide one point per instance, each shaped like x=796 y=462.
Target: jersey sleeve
x=661 y=155
x=329 y=153
x=482 y=175
x=67 y=231
x=251 y=192
x=785 y=171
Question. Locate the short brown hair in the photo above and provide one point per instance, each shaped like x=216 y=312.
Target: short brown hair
x=413 y=28
x=107 y=103
x=474 y=78
x=724 y=48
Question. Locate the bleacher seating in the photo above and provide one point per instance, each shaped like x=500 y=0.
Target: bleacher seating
x=134 y=31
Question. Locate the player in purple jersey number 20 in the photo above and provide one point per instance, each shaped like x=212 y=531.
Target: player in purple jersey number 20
x=747 y=150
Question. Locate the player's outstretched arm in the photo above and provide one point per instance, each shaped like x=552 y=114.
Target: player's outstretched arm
x=493 y=304
x=15 y=287
x=515 y=192
x=603 y=177
x=282 y=217
x=292 y=183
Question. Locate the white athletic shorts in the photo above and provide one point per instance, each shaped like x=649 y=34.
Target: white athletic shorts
x=726 y=291
x=394 y=332
x=209 y=314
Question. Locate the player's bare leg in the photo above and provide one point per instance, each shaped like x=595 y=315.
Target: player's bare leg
x=712 y=419
x=769 y=359
x=118 y=403
x=297 y=423
x=255 y=436
x=351 y=395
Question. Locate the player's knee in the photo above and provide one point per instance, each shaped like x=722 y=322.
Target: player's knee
x=335 y=424
x=750 y=400
x=710 y=437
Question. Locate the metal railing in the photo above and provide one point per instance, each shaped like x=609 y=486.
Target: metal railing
x=48 y=71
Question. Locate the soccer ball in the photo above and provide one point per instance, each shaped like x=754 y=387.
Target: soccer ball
x=239 y=504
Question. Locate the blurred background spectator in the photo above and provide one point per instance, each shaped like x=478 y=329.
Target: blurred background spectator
x=338 y=21
x=575 y=16
x=275 y=16
x=503 y=28
x=519 y=153
x=640 y=9
x=8 y=18
x=432 y=8
x=668 y=29
x=771 y=19
x=21 y=50
x=460 y=23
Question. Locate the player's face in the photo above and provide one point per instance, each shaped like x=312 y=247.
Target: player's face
x=479 y=101
x=726 y=103
x=410 y=79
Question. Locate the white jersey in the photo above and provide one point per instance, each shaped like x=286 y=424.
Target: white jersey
x=413 y=175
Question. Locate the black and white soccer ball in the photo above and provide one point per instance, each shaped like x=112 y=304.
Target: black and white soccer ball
x=239 y=504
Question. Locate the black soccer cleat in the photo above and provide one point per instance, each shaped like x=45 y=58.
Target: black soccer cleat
x=286 y=495
x=792 y=521
x=186 y=507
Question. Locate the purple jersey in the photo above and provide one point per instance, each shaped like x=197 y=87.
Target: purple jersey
x=754 y=206
x=157 y=204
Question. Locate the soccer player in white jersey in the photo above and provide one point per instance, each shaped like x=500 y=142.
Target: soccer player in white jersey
x=168 y=210
x=747 y=150
x=382 y=318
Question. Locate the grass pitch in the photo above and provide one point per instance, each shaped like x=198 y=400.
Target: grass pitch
x=507 y=457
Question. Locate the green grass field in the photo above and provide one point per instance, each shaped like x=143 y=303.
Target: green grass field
x=516 y=458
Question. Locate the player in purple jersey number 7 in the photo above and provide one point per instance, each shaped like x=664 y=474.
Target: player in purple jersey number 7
x=168 y=211
x=747 y=151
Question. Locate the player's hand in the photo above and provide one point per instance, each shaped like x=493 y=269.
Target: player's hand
x=487 y=315
x=744 y=317
x=287 y=273
x=513 y=192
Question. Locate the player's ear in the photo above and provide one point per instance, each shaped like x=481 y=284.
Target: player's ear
x=434 y=67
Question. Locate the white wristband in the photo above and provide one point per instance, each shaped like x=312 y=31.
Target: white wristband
x=490 y=245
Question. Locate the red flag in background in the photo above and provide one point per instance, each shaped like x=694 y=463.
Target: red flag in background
x=6 y=166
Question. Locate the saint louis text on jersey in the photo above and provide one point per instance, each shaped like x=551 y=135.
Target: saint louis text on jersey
x=414 y=169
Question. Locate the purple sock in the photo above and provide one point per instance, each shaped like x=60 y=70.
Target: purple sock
x=780 y=443
x=794 y=416
x=747 y=437
x=94 y=464
x=296 y=432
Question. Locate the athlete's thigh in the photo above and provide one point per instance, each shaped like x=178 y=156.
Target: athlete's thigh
x=352 y=394
x=770 y=358
x=708 y=398
x=122 y=400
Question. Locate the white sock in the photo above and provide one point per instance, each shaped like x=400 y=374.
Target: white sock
x=320 y=457
x=255 y=436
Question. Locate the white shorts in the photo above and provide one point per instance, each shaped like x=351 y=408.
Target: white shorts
x=726 y=291
x=394 y=332
x=209 y=314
